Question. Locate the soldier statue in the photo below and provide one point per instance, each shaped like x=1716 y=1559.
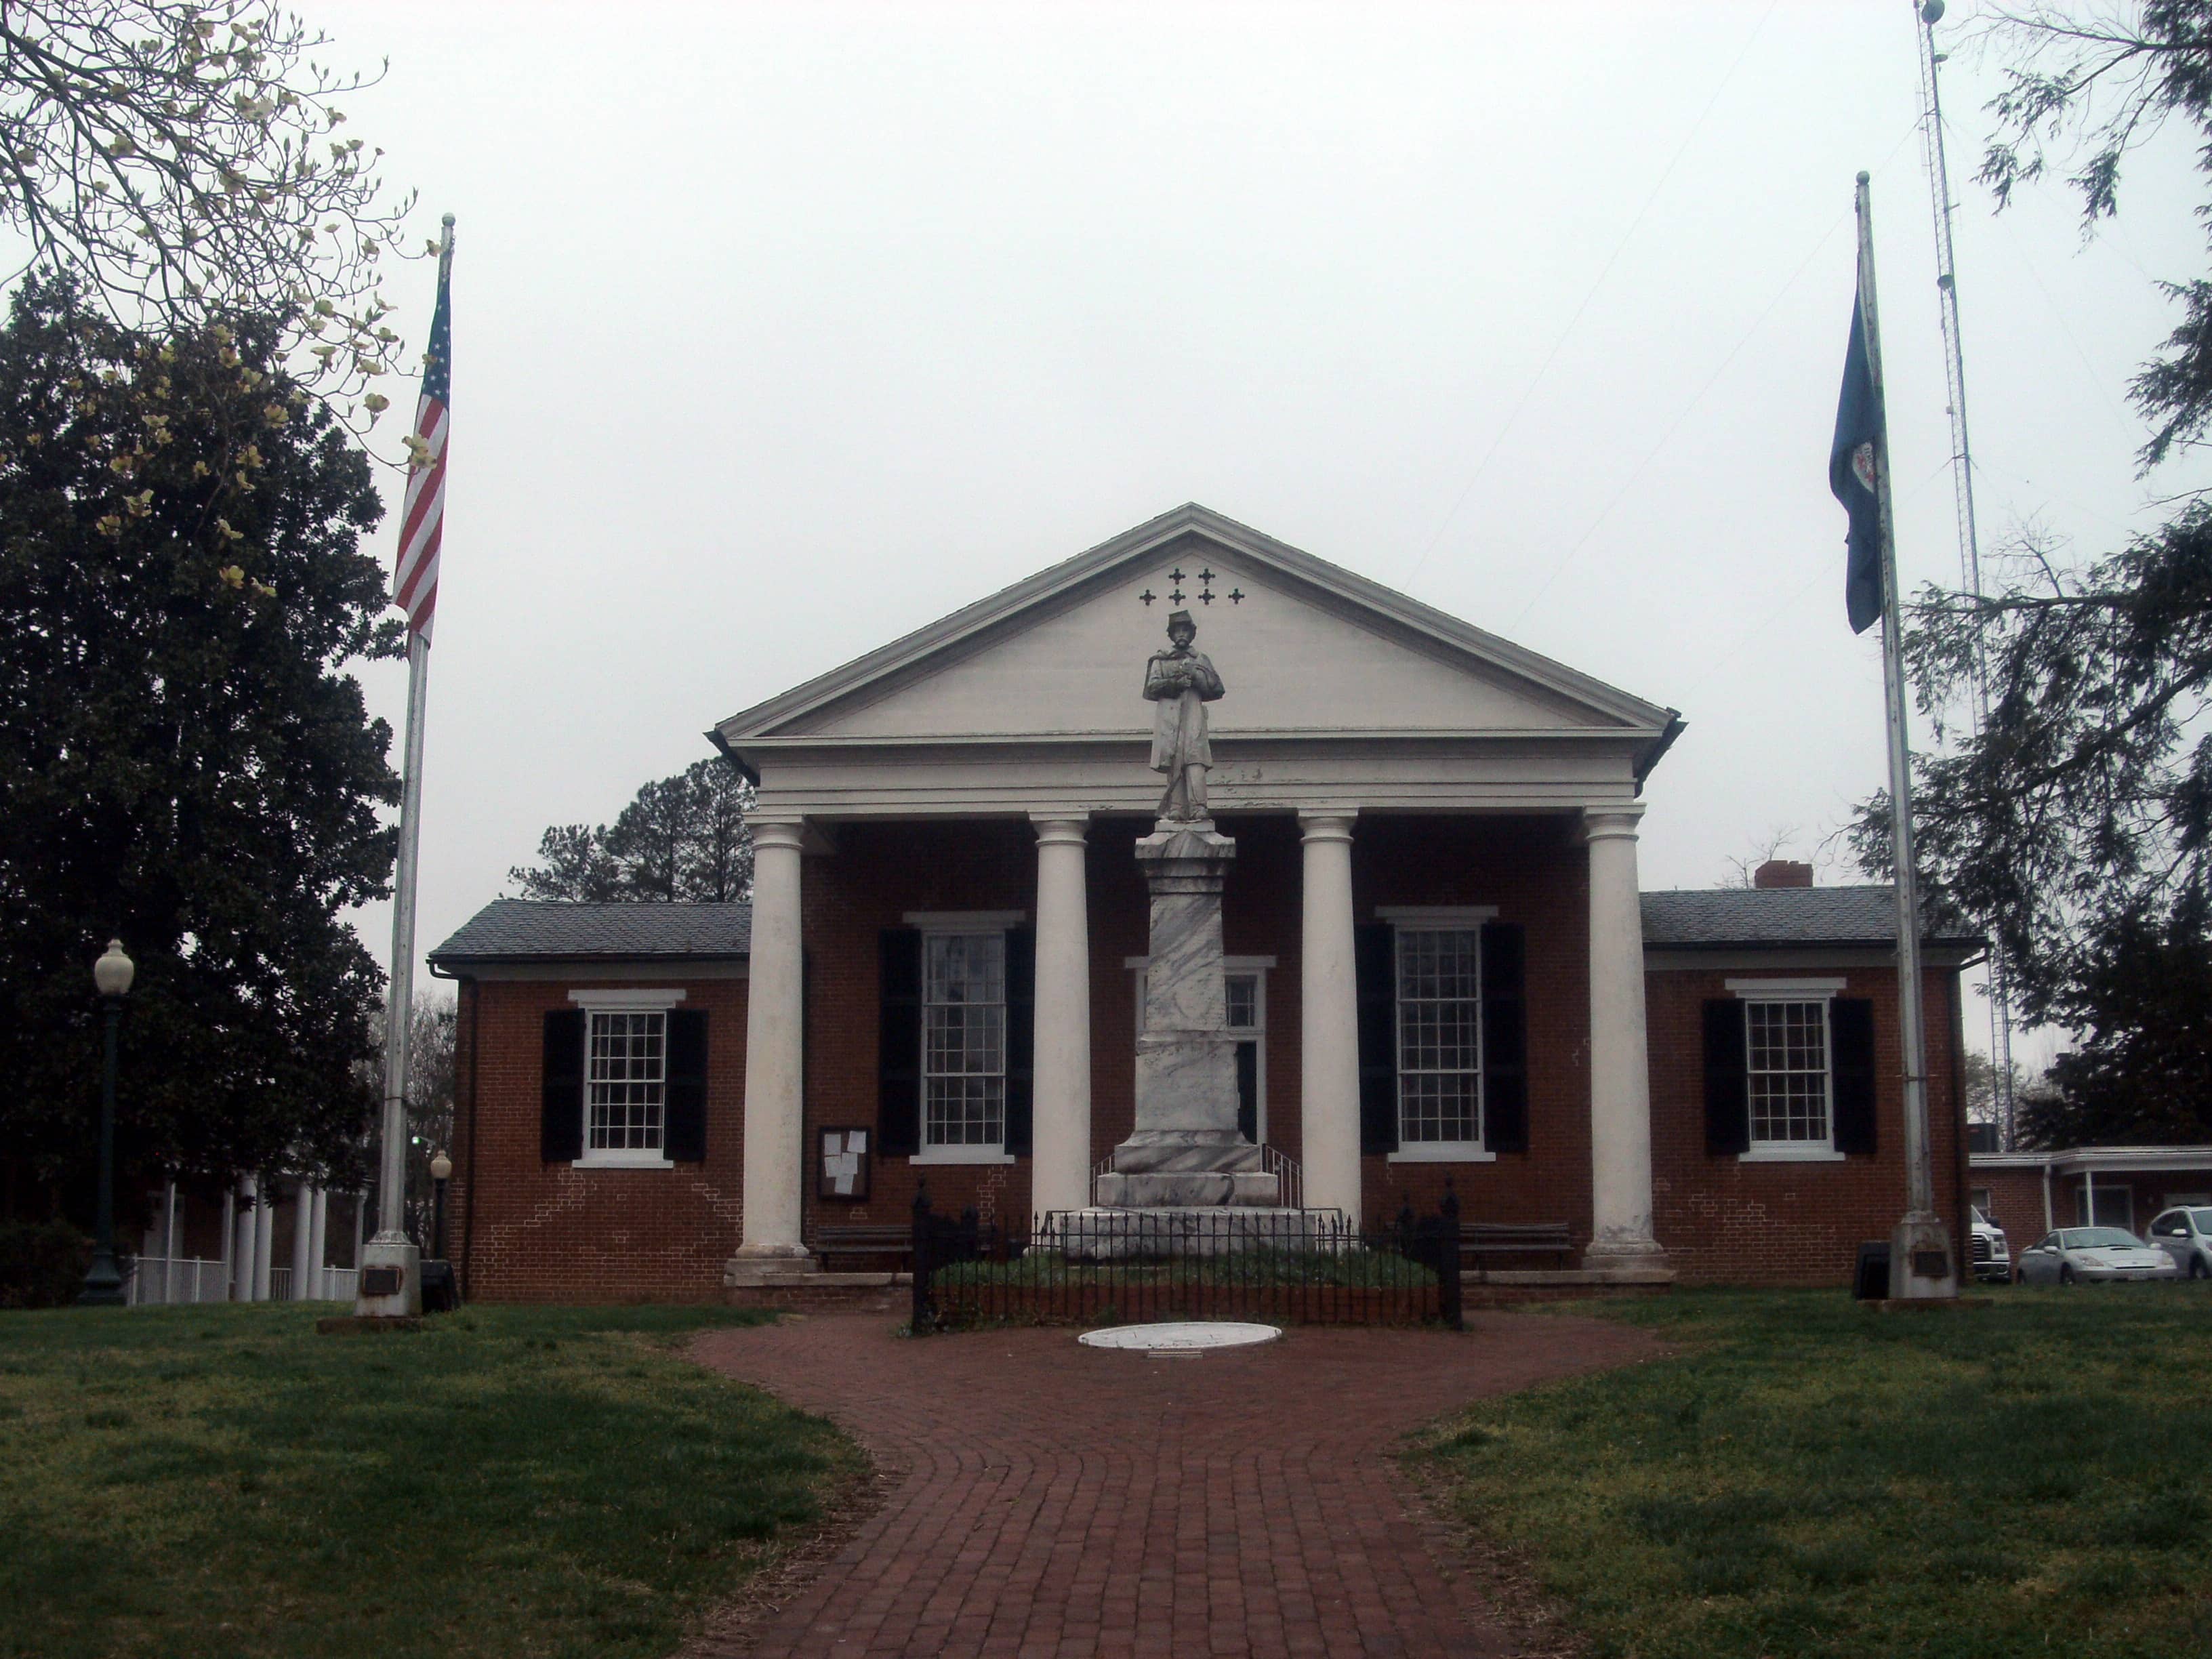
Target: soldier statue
x=1182 y=682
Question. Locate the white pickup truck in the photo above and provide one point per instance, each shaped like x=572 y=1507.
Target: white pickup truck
x=1992 y=1258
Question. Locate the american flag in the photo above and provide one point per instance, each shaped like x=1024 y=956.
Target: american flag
x=422 y=525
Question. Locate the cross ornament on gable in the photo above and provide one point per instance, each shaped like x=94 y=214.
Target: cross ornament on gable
x=1206 y=595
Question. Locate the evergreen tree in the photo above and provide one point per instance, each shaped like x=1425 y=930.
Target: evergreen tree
x=186 y=763
x=682 y=838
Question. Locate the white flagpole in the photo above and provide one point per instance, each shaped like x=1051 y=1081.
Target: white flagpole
x=1920 y=1261
x=377 y=1295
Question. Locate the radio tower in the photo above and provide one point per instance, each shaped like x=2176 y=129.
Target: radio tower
x=1927 y=14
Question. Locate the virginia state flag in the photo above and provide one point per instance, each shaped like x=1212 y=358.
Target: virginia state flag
x=1852 y=477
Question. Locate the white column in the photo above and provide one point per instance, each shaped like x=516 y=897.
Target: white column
x=1328 y=1033
x=241 y=1246
x=319 y=1241
x=775 y=1156
x=303 y=1227
x=264 y=1243
x=169 y=1242
x=230 y=1245
x=1060 y=1167
x=1621 y=1066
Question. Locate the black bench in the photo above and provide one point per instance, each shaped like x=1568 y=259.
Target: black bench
x=1481 y=1239
x=952 y=1240
x=874 y=1239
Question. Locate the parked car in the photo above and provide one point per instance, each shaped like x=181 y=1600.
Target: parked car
x=1992 y=1258
x=2089 y=1255
x=2186 y=1235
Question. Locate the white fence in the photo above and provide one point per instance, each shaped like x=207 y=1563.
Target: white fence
x=157 y=1281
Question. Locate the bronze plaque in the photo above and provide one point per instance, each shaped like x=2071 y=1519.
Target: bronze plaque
x=382 y=1281
x=1931 y=1264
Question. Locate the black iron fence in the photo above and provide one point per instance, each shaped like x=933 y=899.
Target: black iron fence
x=1111 y=1267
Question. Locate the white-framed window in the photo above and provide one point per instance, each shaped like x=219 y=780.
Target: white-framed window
x=1788 y=1067
x=964 y=1042
x=626 y=1076
x=1439 y=974
x=1244 y=1000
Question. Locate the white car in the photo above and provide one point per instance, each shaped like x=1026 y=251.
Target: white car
x=2185 y=1233
x=2091 y=1254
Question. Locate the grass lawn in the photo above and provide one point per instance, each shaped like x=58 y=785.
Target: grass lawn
x=1812 y=1478
x=222 y=1481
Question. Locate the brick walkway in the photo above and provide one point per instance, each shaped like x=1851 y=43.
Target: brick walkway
x=1051 y=1500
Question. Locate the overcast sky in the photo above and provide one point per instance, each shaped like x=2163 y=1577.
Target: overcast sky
x=780 y=331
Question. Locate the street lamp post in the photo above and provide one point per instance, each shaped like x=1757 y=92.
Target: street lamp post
x=103 y=1285
x=441 y=1170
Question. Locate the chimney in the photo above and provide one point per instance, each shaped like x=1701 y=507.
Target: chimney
x=1782 y=873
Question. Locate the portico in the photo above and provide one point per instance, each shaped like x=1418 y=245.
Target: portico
x=1437 y=864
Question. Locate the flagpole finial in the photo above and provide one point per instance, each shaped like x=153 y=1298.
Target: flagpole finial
x=1863 y=178
x=448 y=220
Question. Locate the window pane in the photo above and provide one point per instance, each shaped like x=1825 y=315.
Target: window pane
x=1787 y=1052
x=1243 y=1001
x=625 y=1081
x=1439 y=1035
x=965 y=1040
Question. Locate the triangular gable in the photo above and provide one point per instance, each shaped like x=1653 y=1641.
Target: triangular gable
x=1308 y=648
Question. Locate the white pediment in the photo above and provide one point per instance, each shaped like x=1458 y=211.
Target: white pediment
x=1338 y=689
x=1292 y=663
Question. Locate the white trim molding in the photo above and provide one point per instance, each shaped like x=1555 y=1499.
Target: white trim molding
x=616 y=998
x=1441 y=1152
x=1435 y=915
x=1786 y=990
x=964 y=921
x=962 y=1155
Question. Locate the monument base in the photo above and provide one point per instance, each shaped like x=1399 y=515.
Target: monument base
x=1204 y=1189
x=1163 y=1232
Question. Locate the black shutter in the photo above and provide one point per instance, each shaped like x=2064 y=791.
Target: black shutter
x=685 y=1130
x=1248 y=1089
x=1504 y=1039
x=1850 y=1062
x=898 y=1044
x=1021 y=1038
x=1375 y=962
x=561 y=1100
x=1727 y=1089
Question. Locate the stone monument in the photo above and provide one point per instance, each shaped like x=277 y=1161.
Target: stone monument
x=1186 y=1168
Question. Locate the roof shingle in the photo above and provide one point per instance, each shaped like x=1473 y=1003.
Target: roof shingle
x=514 y=930
x=1706 y=917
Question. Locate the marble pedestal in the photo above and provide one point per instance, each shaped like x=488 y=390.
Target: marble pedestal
x=1186 y=1151
x=1159 y=1232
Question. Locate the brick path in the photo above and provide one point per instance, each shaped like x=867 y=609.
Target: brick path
x=1051 y=1500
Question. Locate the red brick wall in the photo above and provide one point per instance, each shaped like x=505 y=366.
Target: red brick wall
x=530 y=1232
x=2016 y=1204
x=527 y=1231
x=1728 y=1221
x=1538 y=876
x=2019 y=1192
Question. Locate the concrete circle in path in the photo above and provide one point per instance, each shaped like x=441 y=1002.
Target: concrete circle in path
x=1181 y=1335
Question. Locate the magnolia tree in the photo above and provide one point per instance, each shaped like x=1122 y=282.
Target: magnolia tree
x=186 y=163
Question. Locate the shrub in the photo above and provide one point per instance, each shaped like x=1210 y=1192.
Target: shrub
x=42 y=1263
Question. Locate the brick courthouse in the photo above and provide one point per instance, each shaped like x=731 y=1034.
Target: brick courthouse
x=1439 y=963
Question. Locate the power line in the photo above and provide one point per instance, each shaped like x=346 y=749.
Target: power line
x=1604 y=271
x=1690 y=408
